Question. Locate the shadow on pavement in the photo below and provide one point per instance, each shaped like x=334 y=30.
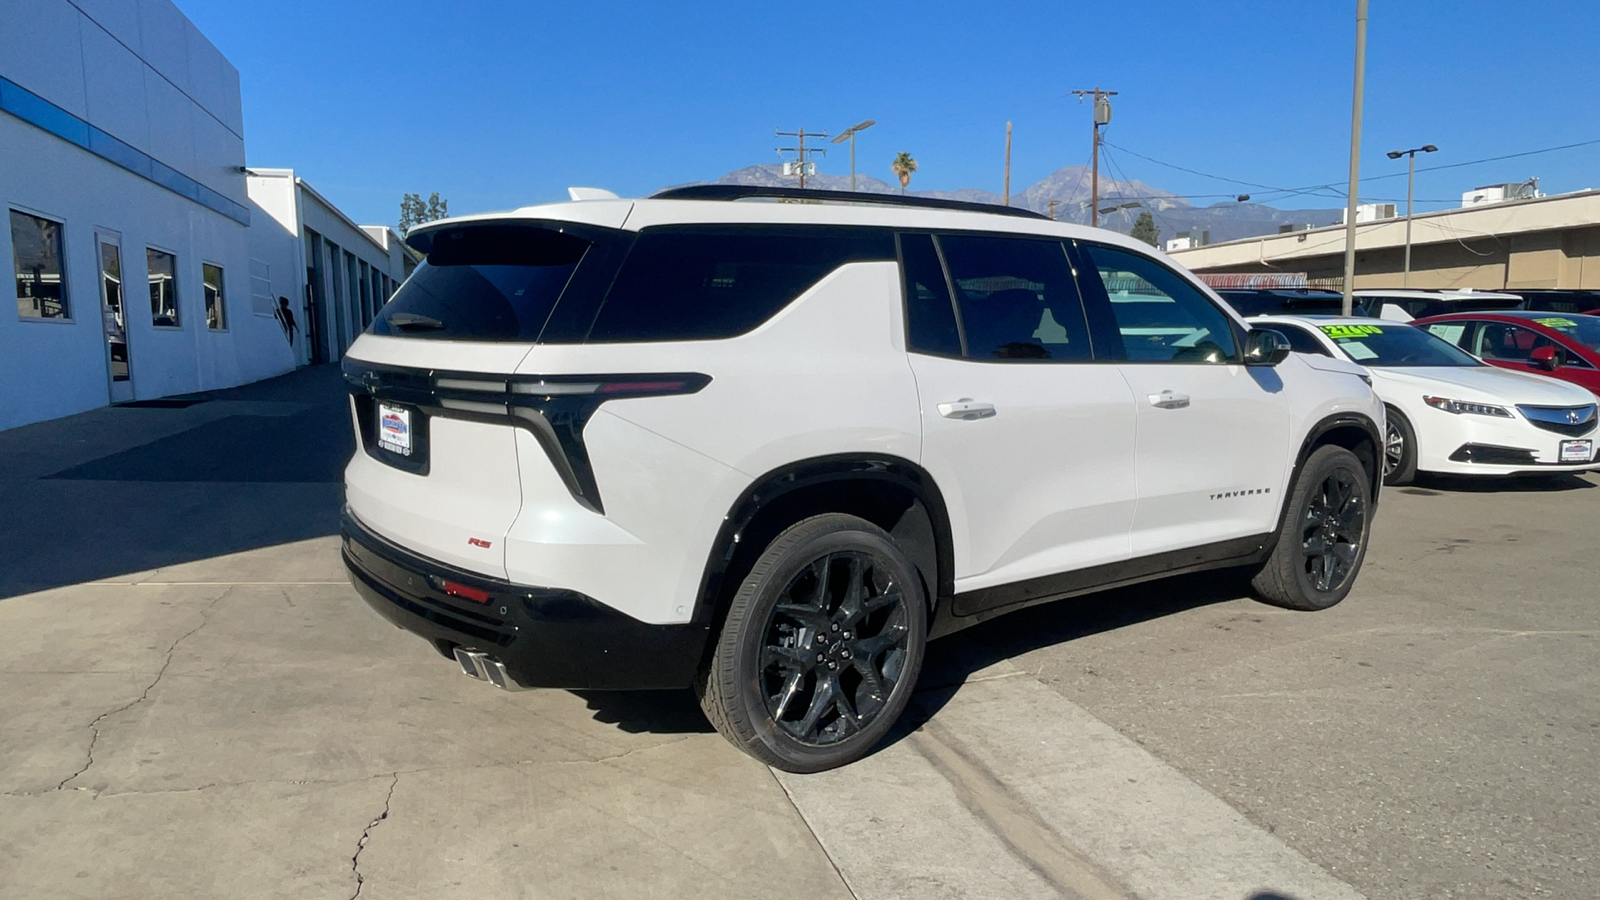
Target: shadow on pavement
x=648 y=712
x=1428 y=485
x=129 y=489
x=952 y=660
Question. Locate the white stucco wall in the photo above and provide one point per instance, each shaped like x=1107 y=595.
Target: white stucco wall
x=139 y=71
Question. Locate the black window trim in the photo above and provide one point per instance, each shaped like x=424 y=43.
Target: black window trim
x=1104 y=299
x=900 y=235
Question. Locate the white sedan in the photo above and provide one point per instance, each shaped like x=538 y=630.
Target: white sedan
x=1448 y=411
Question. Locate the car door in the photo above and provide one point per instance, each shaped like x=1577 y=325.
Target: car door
x=1028 y=436
x=1212 y=446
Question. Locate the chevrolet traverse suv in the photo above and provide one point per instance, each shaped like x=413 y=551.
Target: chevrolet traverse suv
x=767 y=444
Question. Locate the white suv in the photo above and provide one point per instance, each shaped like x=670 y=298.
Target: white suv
x=769 y=449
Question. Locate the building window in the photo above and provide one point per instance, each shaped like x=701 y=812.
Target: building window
x=163 y=267
x=41 y=282
x=216 y=308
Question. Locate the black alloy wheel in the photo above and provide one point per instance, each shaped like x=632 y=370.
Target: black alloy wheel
x=1334 y=529
x=820 y=648
x=835 y=648
x=1323 y=538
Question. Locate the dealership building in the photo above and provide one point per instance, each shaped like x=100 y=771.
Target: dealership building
x=1488 y=244
x=142 y=263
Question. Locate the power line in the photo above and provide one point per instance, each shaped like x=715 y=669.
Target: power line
x=1307 y=189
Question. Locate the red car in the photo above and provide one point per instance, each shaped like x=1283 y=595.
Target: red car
x=1561 y=345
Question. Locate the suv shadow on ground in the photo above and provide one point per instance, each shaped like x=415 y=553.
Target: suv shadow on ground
x=129 y=489
x=1427 y=484
x=953 y=660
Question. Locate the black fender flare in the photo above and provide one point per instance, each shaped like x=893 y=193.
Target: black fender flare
x=784 y=481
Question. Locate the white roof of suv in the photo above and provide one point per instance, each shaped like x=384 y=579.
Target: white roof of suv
x=706 y=204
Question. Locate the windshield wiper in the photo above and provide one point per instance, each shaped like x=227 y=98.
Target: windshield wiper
x=414 y=322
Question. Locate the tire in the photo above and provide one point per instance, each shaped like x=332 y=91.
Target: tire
x=808 y=679
x=1399 y=449
x=1332 y=499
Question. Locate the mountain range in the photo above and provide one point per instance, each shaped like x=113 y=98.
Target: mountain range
x=1070 y=189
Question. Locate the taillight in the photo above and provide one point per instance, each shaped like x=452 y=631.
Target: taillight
x=456 y=589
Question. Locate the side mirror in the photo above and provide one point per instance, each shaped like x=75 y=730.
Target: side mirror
x=1544 y=358
x=1265 y=347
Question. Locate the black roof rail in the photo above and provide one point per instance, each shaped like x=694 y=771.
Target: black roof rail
x=745 y=191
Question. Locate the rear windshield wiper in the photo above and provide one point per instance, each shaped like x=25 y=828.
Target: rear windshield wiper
x=414 y=322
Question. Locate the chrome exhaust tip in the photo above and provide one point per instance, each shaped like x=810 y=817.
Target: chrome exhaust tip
x=480 y=665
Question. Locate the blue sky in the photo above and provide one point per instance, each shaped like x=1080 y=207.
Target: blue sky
x=500 y=104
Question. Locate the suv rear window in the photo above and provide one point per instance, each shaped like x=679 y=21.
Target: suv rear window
x=686 y=283
x=484 y=283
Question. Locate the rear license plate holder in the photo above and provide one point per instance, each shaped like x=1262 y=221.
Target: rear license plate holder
x=399 y=436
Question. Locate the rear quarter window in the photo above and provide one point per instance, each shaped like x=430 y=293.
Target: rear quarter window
x=686 y=283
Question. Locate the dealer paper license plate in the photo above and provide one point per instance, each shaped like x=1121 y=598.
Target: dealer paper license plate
x=394 y=429
x=1577 y=451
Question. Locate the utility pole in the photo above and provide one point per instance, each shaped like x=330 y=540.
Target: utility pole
x=802 y=149
x=1008 y=164
x=1102 y=116
x=1355 y=159
x=1052 y=210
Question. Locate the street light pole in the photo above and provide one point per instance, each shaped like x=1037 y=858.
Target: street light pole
x=1355 y=159
x=851 y=134
x=1411 y=180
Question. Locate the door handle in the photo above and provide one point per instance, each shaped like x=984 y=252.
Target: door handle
x=966 y=408
x=1169 y=400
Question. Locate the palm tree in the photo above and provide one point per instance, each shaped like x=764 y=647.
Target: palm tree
x=903 y=166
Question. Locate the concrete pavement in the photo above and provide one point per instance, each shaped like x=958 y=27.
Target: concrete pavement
x=197 y=704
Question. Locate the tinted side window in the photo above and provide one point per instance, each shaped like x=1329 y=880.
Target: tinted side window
x=1161 y=316
x=930 y=317
x=1497 y=340
x=484 y=283
x=1300 y=340
x=1017 y=298
x=707 y=282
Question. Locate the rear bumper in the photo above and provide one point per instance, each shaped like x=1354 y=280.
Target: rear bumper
x=543 y=637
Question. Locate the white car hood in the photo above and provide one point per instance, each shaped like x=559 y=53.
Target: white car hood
x=1484 y=384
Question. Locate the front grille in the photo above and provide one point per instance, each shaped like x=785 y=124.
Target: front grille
x=1490 y=455
x=1572 y=421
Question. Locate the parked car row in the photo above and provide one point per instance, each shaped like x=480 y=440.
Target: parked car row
x=1405 y=305
x=1473 y=385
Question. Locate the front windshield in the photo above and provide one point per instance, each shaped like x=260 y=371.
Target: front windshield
x=1396 y=345
x=1583 y=329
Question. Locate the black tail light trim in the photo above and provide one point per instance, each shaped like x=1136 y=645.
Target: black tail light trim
x=553 y=408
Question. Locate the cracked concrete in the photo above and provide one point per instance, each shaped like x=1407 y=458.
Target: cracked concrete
x=94 y=727
x=355 y=859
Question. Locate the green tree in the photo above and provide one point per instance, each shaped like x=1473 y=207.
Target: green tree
x=1144 y=229
x=902 y=167
x=414 y=210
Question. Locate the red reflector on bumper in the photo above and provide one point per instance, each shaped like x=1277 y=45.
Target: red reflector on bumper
x=466 y=593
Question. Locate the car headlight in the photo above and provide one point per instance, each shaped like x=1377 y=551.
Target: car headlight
x=1467 y=407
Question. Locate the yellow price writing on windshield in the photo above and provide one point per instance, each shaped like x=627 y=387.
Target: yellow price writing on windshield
x=1350 y=331
x=1557 y=323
